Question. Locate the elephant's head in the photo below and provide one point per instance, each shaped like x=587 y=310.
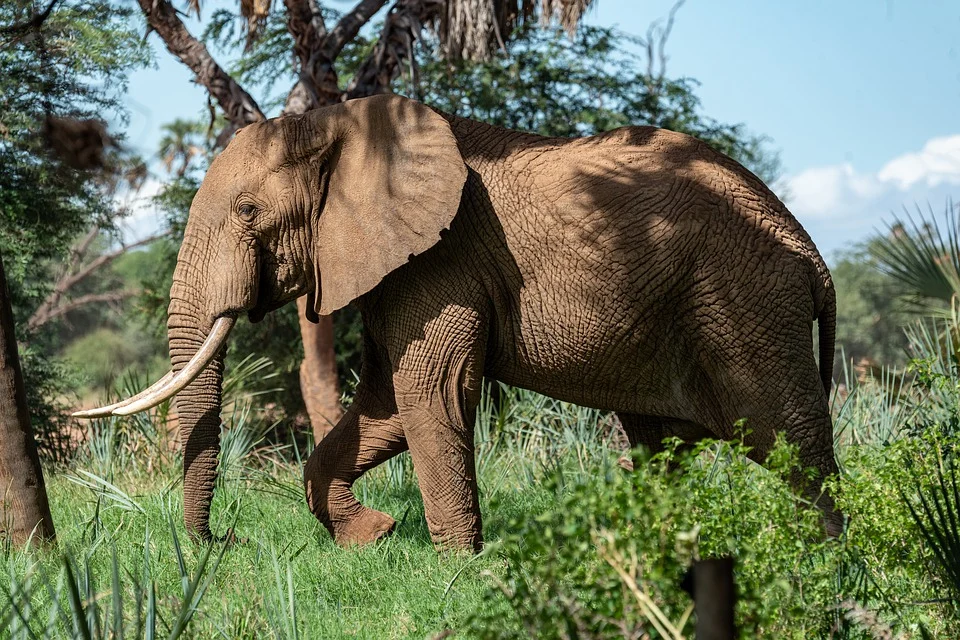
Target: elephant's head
x=326 y=204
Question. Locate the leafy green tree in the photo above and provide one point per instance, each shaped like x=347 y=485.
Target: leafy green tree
x=556 y=85
x=869 y=319
x=68 y=67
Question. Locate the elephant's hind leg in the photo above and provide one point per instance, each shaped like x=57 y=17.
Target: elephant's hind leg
x=786 y=396
x=369 y=434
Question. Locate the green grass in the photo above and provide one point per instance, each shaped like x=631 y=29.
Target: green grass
x=400 y=588
x=285 y=576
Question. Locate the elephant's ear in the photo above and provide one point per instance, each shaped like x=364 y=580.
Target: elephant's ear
x=394 y=178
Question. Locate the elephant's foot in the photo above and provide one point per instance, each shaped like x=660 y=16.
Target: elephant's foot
x=366 y=527
x=464 y=544
x=465 y=535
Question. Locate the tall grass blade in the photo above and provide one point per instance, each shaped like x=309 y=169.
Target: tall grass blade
x=77 y=609
x=105 y=489
x=117 y=594
x=195 y=587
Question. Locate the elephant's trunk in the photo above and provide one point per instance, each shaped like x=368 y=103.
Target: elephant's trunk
x=198 y=409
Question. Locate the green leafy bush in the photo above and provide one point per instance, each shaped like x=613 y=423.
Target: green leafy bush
x=615 y=548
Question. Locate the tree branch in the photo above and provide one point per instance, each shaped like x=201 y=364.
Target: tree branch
x=50 y=307
x=305 y=24
x=110 y=296
x=241 y=109
x=317 y=84
x=35 y=22
x=349 y=26
x=394 y=48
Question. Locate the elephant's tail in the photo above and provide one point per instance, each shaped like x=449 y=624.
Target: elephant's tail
x=827 y=319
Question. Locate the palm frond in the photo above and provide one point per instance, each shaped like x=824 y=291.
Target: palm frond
x=475 y=29
x=936 y=512
x=923 y=255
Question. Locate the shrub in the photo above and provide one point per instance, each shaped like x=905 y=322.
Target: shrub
x=614 y=550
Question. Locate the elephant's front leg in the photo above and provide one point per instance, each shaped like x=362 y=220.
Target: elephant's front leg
x=438 y=385
x=369 y=434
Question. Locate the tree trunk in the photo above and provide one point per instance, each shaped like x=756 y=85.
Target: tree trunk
x=23 y=497
x=318 y=373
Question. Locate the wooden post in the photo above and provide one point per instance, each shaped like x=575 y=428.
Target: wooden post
x=710 y=583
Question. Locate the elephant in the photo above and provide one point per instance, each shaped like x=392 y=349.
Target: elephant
x=637 y=271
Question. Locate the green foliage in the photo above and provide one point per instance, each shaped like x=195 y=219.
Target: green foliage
x=76 y=68
x=869 y=320
x=49 y=382
x=574 y=541
x=936 y=512
x=104 y=355
x=923 y=255
x=570 y=571
x=78 y=608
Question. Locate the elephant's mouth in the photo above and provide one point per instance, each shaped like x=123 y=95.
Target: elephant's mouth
x=259 y=311
x=266 y=304
x=276 y=287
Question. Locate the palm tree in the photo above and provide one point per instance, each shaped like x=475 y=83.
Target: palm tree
x=182 y=142
x=923 y=256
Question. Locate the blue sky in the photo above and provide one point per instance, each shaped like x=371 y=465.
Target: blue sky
x=860 y=97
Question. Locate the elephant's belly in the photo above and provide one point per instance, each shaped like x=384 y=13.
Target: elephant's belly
x=627 y=364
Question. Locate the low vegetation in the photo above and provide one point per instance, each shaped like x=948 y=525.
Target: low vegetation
x=577 y=545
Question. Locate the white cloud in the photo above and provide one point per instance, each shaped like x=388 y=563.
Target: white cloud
x=823 y=191
x=838 y=204
x=937 y=163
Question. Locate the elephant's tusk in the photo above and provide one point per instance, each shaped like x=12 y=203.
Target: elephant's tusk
x=103 y=412
x=204 y=355
x=172 y=383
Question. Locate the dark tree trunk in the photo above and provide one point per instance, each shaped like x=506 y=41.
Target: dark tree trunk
x=319 y=384
x=23 y=497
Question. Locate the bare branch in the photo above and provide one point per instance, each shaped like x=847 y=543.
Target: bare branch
x=240 y=107
x=80 y=250
x=349 y=26
x=317 y=84
x=305 y=24
x=107 y=258
x=111 y=296
x=394 y=49
x=49 y=309
x=655 y=44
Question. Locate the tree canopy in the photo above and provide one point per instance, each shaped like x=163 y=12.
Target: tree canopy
x=73 y=66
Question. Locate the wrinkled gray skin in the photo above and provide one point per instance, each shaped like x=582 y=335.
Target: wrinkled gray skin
x=637 y=271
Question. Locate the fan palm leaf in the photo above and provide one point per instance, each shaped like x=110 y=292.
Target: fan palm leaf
x=923 y=255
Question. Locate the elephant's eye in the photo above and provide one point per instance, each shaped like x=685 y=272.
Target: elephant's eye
x=247 y=211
